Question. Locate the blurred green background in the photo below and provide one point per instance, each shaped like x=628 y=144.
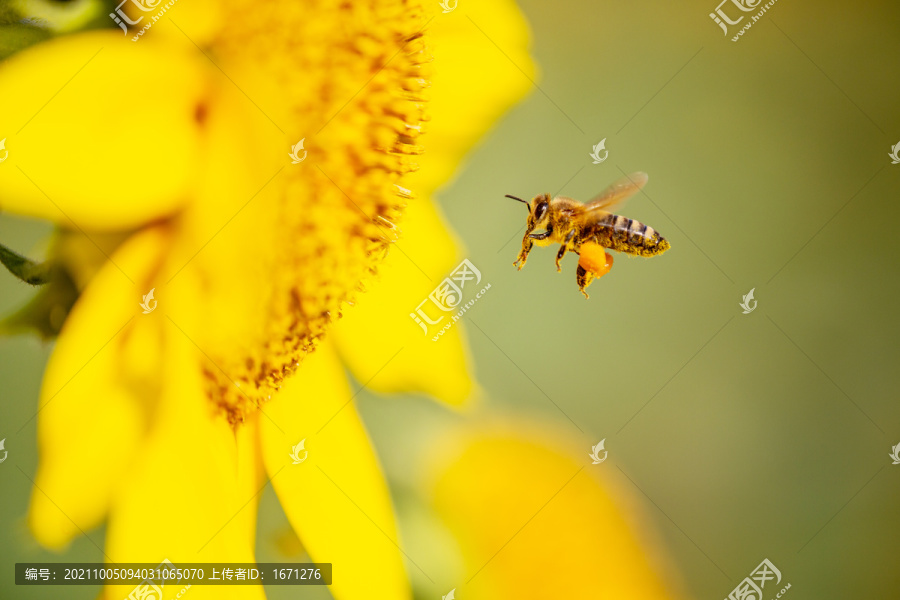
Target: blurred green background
x=746 y=436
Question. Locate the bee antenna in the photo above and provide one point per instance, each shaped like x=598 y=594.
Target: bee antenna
x=519 y=199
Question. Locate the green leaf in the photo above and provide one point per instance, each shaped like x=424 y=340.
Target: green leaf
x=25 y=269
x=47 y=310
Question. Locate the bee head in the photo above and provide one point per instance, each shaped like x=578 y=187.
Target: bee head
x=539 y=215
x=538 y=211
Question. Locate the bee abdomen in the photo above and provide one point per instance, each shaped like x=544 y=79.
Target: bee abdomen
x=634 y=237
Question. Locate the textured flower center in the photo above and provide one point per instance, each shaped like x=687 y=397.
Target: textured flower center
x=353 y=75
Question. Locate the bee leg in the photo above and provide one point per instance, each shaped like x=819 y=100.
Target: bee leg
x=527 y=244
x=584 y=278
x=559 y=255
x=563 y=248
x=593 y=264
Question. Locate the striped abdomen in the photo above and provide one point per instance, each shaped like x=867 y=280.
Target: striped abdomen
x=627 y=235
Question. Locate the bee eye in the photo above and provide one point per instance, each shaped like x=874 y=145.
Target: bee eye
x=540 y=211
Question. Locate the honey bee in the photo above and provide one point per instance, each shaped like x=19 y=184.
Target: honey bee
x=589 y=229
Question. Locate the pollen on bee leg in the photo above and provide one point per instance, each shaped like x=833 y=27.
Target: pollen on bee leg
x=595 y=259
x=594 y=262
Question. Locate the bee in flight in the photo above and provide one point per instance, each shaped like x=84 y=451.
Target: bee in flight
x=589 y=229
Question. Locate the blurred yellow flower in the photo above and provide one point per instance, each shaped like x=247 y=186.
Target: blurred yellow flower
x=169 y=422
x=535 y=519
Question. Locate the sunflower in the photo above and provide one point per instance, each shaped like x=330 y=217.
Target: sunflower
x=209 y=264
x=529 y=493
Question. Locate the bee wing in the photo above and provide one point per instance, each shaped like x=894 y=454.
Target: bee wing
x=594 y=216
x=618 y=192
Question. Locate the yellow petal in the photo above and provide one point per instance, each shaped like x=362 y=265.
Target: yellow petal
x=198 y=21
x=466 y=101
x=102 y=133
x=90 y=421
x=527 y=495
x=379 y=327
x=336 y=499
x=228 y=226
x=191 y=493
